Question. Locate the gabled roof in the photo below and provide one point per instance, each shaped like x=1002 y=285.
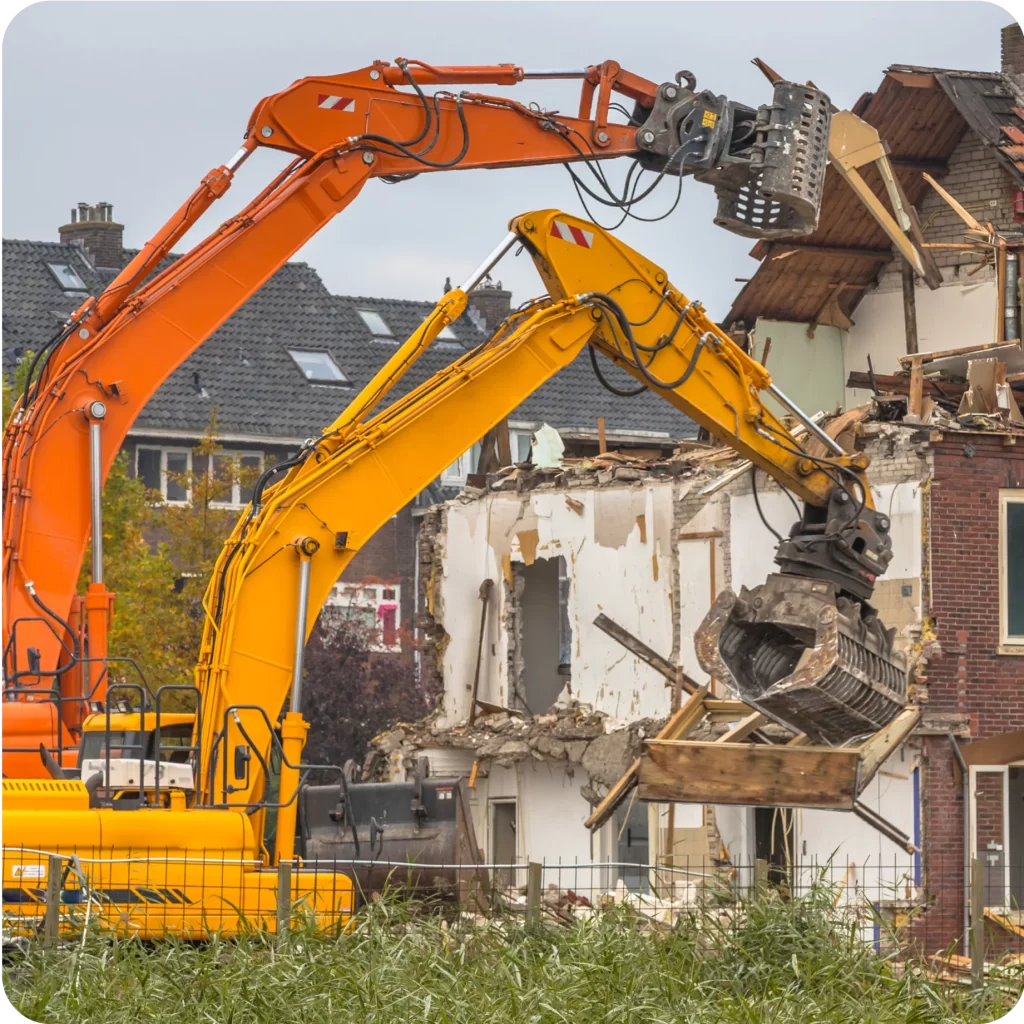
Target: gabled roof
x=922 y=113
x=245 y=371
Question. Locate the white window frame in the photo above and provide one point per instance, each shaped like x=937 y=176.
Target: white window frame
x=73 y=289
x=455 y=475
x=341 y=381
x=1015 y=643
x=1004 y=771
x=236 y=501
x=514 y=437
x=164 y=452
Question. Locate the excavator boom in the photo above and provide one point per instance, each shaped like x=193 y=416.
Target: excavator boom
x=90 y=381
x=309 y=518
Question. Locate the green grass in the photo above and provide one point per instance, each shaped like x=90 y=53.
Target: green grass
x=784 y=962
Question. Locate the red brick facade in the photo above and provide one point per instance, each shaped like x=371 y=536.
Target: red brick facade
x=970 y=677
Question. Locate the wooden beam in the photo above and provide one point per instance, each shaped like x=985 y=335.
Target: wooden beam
x=602 y=442
x=747 y=773
x=914 y=402
x=885 y=742
x=741 y=730
x=909 y=308
x=966 y=350
x=727 y=706
x=645 y=653
x=681 y=723
x=967 y=218
x=846 y=252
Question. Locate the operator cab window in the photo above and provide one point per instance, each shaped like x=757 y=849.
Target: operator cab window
x=373 y=320
x=318 y=366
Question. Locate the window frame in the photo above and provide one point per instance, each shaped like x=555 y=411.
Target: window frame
x=449 y=479
x=363 y=313
x=82 y=287
x=342 y=381
x=1009 y=643
x=164 y=452
x=974 y=771
x=236 y=502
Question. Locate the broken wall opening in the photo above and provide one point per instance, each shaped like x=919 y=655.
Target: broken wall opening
x=503 y=825
x=545 y=636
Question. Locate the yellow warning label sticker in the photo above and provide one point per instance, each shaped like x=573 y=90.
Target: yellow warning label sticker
x=709 y=119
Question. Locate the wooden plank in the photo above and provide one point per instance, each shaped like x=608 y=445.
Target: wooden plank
x=677 y=726
x=885 y=742
x=966 y=350
x=722 y=706
x=847 y=252
x=701 y=535
x=967 y=218
x=746 y=773
x=645 y=653
x=914 y=402
x=741 y=730
x=602 y=441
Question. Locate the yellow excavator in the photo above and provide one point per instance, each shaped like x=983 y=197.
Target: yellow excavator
x=163 y=833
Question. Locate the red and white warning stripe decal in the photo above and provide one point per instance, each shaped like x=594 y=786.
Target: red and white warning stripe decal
x=568 y=233
x=346 y=104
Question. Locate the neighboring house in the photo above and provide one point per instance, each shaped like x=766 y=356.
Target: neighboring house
x=647 y=548
x=284 y=366
x=832 y=300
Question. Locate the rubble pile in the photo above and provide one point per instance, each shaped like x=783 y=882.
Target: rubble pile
x=574 y=733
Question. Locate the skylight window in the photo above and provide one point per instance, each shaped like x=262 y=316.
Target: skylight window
x=318 y=366
x=447 y=333
x=376 y=323
x=67 y=277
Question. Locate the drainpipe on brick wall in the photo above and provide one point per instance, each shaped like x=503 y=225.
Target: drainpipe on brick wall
x=965 y=773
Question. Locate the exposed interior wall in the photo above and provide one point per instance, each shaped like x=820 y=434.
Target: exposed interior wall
x=960 y=312
x=618 y=550
x=806 y=366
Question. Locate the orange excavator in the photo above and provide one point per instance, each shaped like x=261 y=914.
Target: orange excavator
x=87 y=384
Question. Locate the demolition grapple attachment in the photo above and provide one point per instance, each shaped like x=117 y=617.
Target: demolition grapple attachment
x=805 y=648
x=767 y=165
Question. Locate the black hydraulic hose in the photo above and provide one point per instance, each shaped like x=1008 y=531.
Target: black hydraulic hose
x=606 y=384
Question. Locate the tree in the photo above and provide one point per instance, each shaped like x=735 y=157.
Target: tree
x=351 y=693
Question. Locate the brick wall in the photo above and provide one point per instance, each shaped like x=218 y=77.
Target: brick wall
x=970 y=676
x=1013 y=53
x=979 y=183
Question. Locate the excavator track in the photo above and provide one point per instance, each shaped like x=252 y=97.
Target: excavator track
x=805 y=656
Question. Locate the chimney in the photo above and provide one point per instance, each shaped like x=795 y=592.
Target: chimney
x=491 y=301
x=1013 y=54
x=96 y=228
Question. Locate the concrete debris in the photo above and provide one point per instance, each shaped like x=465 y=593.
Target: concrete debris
x=572 y=733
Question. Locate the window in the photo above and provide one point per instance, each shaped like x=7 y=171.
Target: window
x=373 y=320
x=233 y=476
x=318 y=366
x=67 y=277
x=447 y=333
x=1011 y=567
x=455 y=474
x=520 y=444
x=374 y=606
x=165 y=470
x=997 y=831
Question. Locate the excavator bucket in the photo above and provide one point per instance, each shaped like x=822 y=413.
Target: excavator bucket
x=806 y=656
x=416 y=837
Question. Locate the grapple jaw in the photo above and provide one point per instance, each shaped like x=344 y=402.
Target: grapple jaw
x=805 y=656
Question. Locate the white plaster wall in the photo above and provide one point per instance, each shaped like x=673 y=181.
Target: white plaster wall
x=952 y=316
x=875 y=867
x=752 y=546
x=616 y=566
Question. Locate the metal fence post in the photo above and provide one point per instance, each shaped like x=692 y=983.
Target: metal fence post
x=284 y=899
x=977 y=923
x=533 y=883
x=51 y=921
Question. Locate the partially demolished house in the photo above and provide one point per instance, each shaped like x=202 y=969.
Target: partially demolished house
x=559 y=605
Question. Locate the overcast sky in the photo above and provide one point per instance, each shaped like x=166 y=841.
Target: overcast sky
x=133 y=102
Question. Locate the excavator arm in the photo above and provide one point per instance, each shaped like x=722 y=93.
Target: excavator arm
x=92 y=379
x=310 y=517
